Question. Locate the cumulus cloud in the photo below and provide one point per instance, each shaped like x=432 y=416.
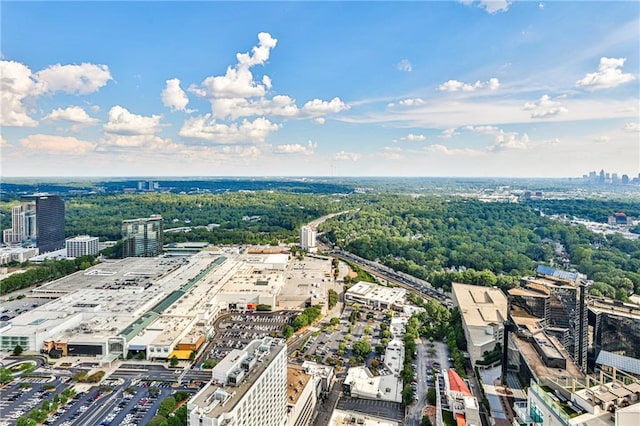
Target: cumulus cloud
x=16 y=84
x=173 y=96
x=601 y=139
x=456 y=86
x=19 y=83
x=77 y=79
x=544 y=107
x=238 y=81
x=207 y=128
x=320 y=107
x=404 y=65
x=57 y=144
x=495 y=6
x=449 y=133
x=319 y=120
x=296 y=148
x=346 y=156
x=509 y=141
x=123 y=122
x=609 y=75
x=412 y=138
x=278 y=106
x=237 y=94
x=3 y=142
x=631 y=127
x=73 y=114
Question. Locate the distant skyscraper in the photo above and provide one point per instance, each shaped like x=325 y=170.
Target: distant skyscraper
x=625 y=180
x=142 y=237
x=37 y=222
x=308 y=238
x=602 y=176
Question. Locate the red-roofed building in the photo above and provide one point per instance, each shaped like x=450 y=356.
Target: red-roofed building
x=462 y=403
x=456 y=383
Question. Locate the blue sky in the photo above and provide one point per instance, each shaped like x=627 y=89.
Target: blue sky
x=470 y=88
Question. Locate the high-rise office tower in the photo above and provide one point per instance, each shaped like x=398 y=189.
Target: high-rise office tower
x=142 y=237
x=38 y=222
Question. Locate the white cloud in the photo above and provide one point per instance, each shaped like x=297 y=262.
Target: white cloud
x=455 y=85
x=77 y=79
x=320 y=107
x=296 y=148
x=544 y=107
x=173 y=96
x=73 y=114
x=123 y=122
x=404 y=65
x=413 y=138
x=609 y=75
x=279 y=106
x=509 y=141
x=16 y=84
x=602 y=139
x=19 y=83
x=320 y=120
x=149 y=141
x=411 y=102
x=495 y=6
x=540 y=5
x=631 y=127
x=207 y=128
x=238 y=81
x=57 y=144
x=449 y=133
x=487 y=130
x=346 y=156
x=260 y=52
x=3 y=142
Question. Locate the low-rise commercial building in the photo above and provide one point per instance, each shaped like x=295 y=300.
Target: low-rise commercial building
x=375 y=296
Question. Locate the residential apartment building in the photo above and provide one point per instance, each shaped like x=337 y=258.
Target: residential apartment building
x=142 y=237
x=249 y=388
x=308 y=238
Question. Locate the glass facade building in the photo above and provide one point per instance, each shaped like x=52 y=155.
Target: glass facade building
x=142 y=237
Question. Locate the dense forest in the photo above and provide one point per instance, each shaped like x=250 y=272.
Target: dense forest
x=241 y=217
x=441 y=239
x=464 y=240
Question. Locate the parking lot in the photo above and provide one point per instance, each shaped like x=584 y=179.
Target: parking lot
x=126 y=404
x=238 y=329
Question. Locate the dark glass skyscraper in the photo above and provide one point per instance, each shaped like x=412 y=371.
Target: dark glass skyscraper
x=48 y=222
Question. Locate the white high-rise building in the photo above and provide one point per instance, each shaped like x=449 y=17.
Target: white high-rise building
x=82 y=245
x=308 y=239
x=249 y=388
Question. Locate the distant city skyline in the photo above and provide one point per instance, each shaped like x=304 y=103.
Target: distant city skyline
x=434 y=89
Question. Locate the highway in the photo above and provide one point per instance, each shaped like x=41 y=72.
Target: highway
x=401 y=279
